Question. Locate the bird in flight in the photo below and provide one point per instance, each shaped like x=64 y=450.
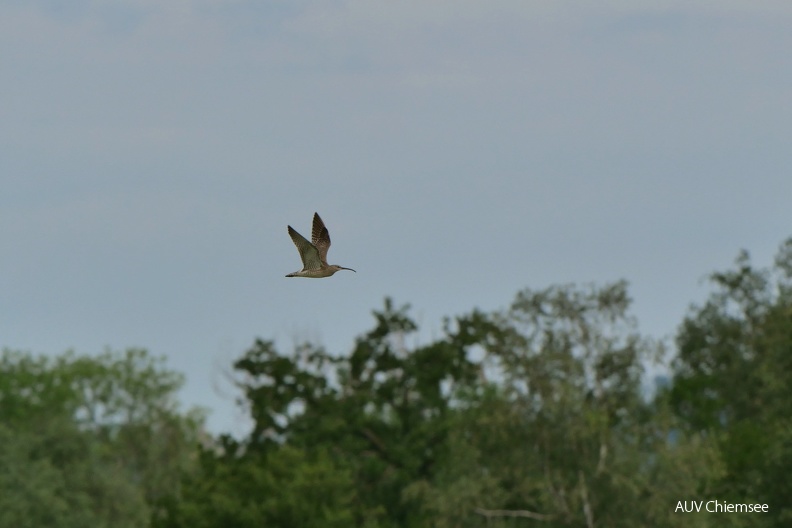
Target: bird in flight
x=314 y=253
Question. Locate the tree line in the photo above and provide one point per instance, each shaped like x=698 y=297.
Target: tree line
x=537 y=415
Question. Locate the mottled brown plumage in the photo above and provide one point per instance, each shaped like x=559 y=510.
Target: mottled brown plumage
x=314 y=253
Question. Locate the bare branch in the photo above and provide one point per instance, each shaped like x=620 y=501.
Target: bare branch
x=514 y=513
x=559 y=496
x=586 y=504
x=603 y=454
x=375 y=440
x=379 y=446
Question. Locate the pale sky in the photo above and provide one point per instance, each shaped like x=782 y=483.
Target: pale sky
x=152 y=154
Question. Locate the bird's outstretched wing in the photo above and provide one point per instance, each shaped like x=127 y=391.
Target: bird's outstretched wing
x=320 y=237
x=308 y=253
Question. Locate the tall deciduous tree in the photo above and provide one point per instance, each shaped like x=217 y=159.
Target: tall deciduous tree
x=90 y=440
x=733 y=380
x=382 y=411
x=563 y=434
x=536 y=413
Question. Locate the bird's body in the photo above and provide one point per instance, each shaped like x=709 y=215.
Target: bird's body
x=314 y=253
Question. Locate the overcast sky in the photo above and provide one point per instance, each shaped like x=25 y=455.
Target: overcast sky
x=152 y=154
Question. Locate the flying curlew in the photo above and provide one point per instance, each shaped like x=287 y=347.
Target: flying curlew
x=314 y=253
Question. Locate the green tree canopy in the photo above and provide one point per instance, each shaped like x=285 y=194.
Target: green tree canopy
x=90 y=440
x=534 y=413
x=537 y=415
x=733 y=380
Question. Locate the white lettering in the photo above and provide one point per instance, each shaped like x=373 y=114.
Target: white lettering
x=716 y=506
x=688 y=508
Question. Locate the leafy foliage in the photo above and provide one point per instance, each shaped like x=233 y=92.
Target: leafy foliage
x=732 y=380
x=89 y=441
x=537 y=415
x=534 y=413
